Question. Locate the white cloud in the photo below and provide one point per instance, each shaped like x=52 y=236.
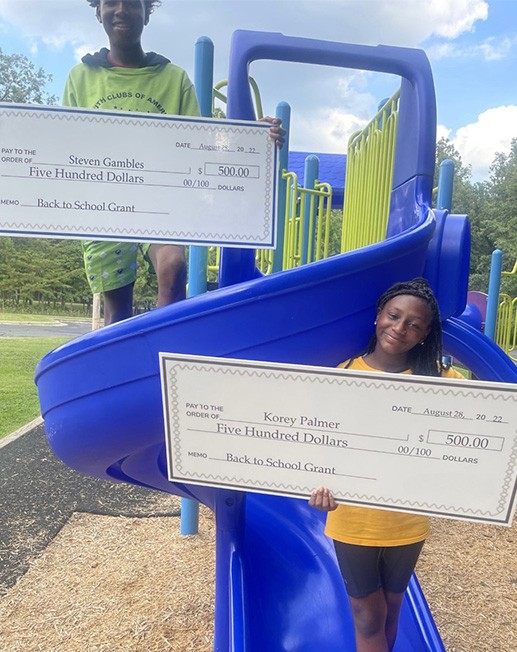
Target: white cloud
x=442 y=132
x=480 y=141
x=81 y=50
x=327 y=131
x=401 y=22
x=54 y=22
x=414 y=21
x=491 y=49
x=453 y=18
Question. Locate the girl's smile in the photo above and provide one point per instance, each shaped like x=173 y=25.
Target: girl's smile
x=403 y=323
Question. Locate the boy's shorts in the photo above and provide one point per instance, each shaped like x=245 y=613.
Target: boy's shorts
x=365 y=569
x=112 y=265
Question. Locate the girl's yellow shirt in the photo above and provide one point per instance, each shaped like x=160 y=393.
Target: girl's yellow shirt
x=366 y=526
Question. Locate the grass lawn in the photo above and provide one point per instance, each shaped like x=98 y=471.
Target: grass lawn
x=18 y=395
x=36 y=319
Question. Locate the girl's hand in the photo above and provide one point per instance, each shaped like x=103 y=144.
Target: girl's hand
x=276 y=131
x=322 y=499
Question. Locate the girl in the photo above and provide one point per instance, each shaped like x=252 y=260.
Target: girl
x=377 y=550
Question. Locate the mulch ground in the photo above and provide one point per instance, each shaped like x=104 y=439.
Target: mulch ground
x=91 y=566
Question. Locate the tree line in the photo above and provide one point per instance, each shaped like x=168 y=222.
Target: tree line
x=49 y=274
x=492 y=208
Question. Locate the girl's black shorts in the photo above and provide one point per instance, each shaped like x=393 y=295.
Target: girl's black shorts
x=366 y=569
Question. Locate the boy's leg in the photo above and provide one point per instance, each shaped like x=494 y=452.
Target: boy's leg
x=111 y=271
x=171 y=272
x=118 y=304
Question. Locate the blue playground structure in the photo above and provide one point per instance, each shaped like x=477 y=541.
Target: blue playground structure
x=278 y=587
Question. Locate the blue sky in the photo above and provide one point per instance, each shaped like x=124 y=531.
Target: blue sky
x=471 y=44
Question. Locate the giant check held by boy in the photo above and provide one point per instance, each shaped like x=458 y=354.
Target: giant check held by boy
x=102 y=175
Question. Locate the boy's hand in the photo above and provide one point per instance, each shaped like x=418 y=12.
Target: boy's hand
x=322 y=499
x=276 y=131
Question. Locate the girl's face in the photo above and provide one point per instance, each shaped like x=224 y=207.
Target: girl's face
x=404 y=322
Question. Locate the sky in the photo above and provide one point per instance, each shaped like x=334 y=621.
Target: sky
x=471 y=45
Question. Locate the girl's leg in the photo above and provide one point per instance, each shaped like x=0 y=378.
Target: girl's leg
x=370 y=618
x=393 y=604
x=360 y=568
x=376 y=619
x=397 y=564
x=171 y=272
x=376 y=579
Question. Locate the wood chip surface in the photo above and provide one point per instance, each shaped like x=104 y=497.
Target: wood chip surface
x=115 y=584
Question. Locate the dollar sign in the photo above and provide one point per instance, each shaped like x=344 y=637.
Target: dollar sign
x=421 y=438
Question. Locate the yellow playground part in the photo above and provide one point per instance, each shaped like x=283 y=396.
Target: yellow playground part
x=506 y=325
x=369 y=176
x=506 y=328
x=313 y=204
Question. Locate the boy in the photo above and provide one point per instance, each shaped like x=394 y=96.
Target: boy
x=117 y=74
x=109 y=79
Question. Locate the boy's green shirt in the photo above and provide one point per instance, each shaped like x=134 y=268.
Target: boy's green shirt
x=163 y=88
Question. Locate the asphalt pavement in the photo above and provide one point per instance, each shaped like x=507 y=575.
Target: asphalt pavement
x=38 y=494
x=71 y=329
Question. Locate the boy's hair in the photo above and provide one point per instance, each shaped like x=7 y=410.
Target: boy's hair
x=150 y=4
x=424 y=359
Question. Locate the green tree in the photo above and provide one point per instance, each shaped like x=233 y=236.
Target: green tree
x=464 y=192
x=22 y=82
x=41 y=275
x=500 y=208
x=34 y=271
x=469 y=199
x=336 y=225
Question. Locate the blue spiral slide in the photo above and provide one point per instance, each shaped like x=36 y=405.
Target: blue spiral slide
x=278 y=588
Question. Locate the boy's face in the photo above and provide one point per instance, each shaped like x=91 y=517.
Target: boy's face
x=123 y=20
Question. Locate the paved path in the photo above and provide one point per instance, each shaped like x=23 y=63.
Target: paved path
x=38 y=494
x=54 y=329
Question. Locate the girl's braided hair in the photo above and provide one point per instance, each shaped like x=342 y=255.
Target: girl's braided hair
x=424 y=359
x=149 y=4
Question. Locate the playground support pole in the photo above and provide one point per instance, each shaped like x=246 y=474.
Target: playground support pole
x=310 y=176
x=445 y=185
x=283 y=111
x=444 y=201
x=198 y=256
x=494 y=285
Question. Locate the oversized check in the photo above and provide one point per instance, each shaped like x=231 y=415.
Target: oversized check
x=136 y=176
x=435 y=446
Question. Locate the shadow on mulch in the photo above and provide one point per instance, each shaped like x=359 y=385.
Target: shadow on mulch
x=38 y=494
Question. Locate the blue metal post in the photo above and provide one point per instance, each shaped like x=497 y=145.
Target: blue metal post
x=445 y=185
x=494 y=285
x=283 y=111
x=310 y=176
x=203 y=81
x=198 y=256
